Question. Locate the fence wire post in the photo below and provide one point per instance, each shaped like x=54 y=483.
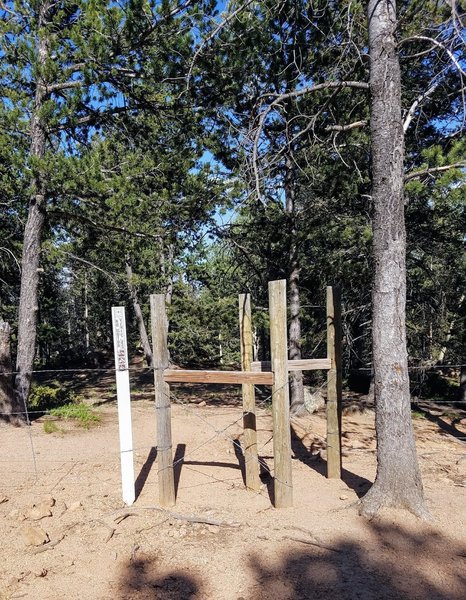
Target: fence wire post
x=283 y=485
x=124 y=404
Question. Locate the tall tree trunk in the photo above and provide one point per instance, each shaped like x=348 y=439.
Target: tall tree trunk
x=28 y=303
x=294 y=333
x=166 y=268
x=462 y=388
x=9 y=408
x=398 y=481
x=139 y=316
x=87 y=339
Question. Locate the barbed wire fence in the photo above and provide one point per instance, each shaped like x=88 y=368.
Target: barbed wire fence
x=217 y=432
x=221 y=432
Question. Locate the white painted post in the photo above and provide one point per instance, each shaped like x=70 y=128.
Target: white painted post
x=124 y=404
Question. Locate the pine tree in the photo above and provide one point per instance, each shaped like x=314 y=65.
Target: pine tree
x=63 y=65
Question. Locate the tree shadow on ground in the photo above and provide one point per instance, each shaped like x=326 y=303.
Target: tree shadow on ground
x=396 y=564
x=448 y=428
x=387 y=562
x=355 y=482
x=140 y=581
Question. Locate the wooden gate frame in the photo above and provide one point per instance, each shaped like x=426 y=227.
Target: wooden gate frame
x=274 y=373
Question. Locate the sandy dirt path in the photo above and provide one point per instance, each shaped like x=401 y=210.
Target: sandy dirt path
x=320 y=548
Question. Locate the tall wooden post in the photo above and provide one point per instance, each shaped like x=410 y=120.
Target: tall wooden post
x=251 y=459
x=283 y=485
x=334 y=383
x=162 y=400
x=124 y=404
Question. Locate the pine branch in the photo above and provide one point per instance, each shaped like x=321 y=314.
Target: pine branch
x=211 y=36
x=175 y=11
x=92 y=119
x=100 y=227
x=431 y=170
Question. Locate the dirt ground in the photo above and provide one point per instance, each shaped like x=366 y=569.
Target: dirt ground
x=220 y=541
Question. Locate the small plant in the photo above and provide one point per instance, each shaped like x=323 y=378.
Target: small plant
x=416 y=414
x=79 y=412
x=51 y=427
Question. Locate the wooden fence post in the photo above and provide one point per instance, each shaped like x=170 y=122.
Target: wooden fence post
x=251 y=459
x=162 y=400
x=124 y=404
x=334 y=383
x=283 y=485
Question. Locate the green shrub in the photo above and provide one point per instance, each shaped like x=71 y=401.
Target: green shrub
x=46 y=397
x=439 y=385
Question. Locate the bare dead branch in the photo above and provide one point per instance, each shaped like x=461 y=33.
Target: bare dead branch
x=415 y=105
x=66 y=85
x=435 y=42
x=349 y=127
x=277 y=100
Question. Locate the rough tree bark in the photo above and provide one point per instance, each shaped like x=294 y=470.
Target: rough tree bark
x=139 y=316
x=398 y=481
x=28 y=303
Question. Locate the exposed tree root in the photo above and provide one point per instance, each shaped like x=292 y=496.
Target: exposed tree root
x=378 y=498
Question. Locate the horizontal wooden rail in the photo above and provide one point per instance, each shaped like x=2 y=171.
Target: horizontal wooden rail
x=239 y=377
x=306 y=364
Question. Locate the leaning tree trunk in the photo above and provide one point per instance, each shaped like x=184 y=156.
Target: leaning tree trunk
x=398 y=481
x=451 y=331
x=28 y=303
x=294 y=333
x=9 y=409
x=139 y=316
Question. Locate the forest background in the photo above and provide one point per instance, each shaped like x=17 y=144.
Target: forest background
x=200 y=150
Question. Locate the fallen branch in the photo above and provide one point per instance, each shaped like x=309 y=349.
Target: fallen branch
x=111 y=530
x=310 y=543
x=124 y=516
x=192 y=519
x=48 y=546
